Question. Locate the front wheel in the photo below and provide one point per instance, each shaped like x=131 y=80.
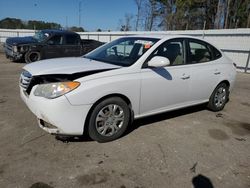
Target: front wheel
x=109 y=119
x=32 y=56
x=219 y=97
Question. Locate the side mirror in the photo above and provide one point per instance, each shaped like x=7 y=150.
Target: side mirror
x=159 y=61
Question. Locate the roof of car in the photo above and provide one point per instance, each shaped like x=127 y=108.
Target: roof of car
x=170 y=36
x=58 y=31
x=161 y=36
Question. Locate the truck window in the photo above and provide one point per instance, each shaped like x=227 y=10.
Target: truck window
x=55 y=40
x=72 y=39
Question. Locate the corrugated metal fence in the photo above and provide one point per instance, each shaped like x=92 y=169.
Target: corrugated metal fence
x=234 y=42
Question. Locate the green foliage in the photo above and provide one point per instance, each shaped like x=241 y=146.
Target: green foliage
x=239 y=13
x=38 y=25
x=199 y=14
x=13 y=23
x=76 y=29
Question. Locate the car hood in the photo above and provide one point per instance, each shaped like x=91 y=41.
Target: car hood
x=66 y=66
x=20 y=40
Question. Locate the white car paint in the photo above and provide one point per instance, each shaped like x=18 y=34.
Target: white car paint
x=150 y=91
x=62 y=66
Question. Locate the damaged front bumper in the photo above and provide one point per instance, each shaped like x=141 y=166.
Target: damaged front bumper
x=57 y=116
x=10 y=54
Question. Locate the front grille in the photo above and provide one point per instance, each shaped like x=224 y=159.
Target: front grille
x=25 y=80
x=8 y=46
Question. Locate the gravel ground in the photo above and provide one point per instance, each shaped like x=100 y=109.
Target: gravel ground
x=193 y=147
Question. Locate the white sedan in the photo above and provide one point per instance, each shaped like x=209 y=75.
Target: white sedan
x=129 y=78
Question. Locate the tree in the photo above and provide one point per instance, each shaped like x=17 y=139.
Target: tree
x=220 y=15
x=11 y=23
x=76 y=29
x=126 y=23
x=193 y=14
x=210 y=13
x=151 y=13
x=138 y=15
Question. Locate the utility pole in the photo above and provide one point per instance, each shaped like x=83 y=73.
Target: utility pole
x=80 y=10
x=66 y=22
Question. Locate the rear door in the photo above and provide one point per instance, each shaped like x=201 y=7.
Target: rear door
x=54 y=47
x=206 y=69
x=72 y=45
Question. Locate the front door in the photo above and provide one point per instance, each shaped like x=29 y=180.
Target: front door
x=166 y=87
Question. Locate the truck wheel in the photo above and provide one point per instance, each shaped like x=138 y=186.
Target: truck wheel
x=32 y=56
x=109 y=120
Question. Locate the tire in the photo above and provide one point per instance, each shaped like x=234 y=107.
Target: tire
x=109 y=120
x=32 y=56
x=219 y=97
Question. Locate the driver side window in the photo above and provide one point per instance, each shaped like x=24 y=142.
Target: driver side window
x=55 y=40
x=173 y=50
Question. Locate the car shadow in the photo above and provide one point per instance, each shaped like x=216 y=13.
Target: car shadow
x=139 y=123
x=163 y=116
x=67 y=139
x=21 y=61
x=163 y=72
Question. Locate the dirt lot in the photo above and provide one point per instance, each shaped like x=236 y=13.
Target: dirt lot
x=189 y=148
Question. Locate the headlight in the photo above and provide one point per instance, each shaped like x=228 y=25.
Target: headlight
x=14 y=48
x=53 y=90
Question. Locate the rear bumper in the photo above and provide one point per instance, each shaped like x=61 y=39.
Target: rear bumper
x=57 y=116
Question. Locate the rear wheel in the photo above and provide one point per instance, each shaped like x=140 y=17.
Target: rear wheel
x=32 y=56
x=219 y=97
x=109 y=119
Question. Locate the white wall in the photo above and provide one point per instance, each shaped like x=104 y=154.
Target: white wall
x=227 y=39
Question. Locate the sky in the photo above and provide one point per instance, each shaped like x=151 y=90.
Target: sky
x=95 y=14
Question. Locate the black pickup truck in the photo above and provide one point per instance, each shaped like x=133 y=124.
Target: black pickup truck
x=47 y=44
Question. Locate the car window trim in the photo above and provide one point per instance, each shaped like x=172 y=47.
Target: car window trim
x=144 y=65
x=207 y=45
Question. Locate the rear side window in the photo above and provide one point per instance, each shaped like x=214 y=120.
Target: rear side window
x=201 y=52
x=56 y=40
x=72 y=39
x=216 y=53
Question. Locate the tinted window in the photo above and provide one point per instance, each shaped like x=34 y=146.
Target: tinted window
x=199 y=52
x=72 y=39
x=56 y=40
x=216 y=53
x=173 y=50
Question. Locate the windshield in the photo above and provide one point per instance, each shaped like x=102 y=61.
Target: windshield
x=40 y=36
x=123 y=51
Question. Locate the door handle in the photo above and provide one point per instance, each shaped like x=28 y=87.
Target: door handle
x=217 y=72
x=185 y=77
